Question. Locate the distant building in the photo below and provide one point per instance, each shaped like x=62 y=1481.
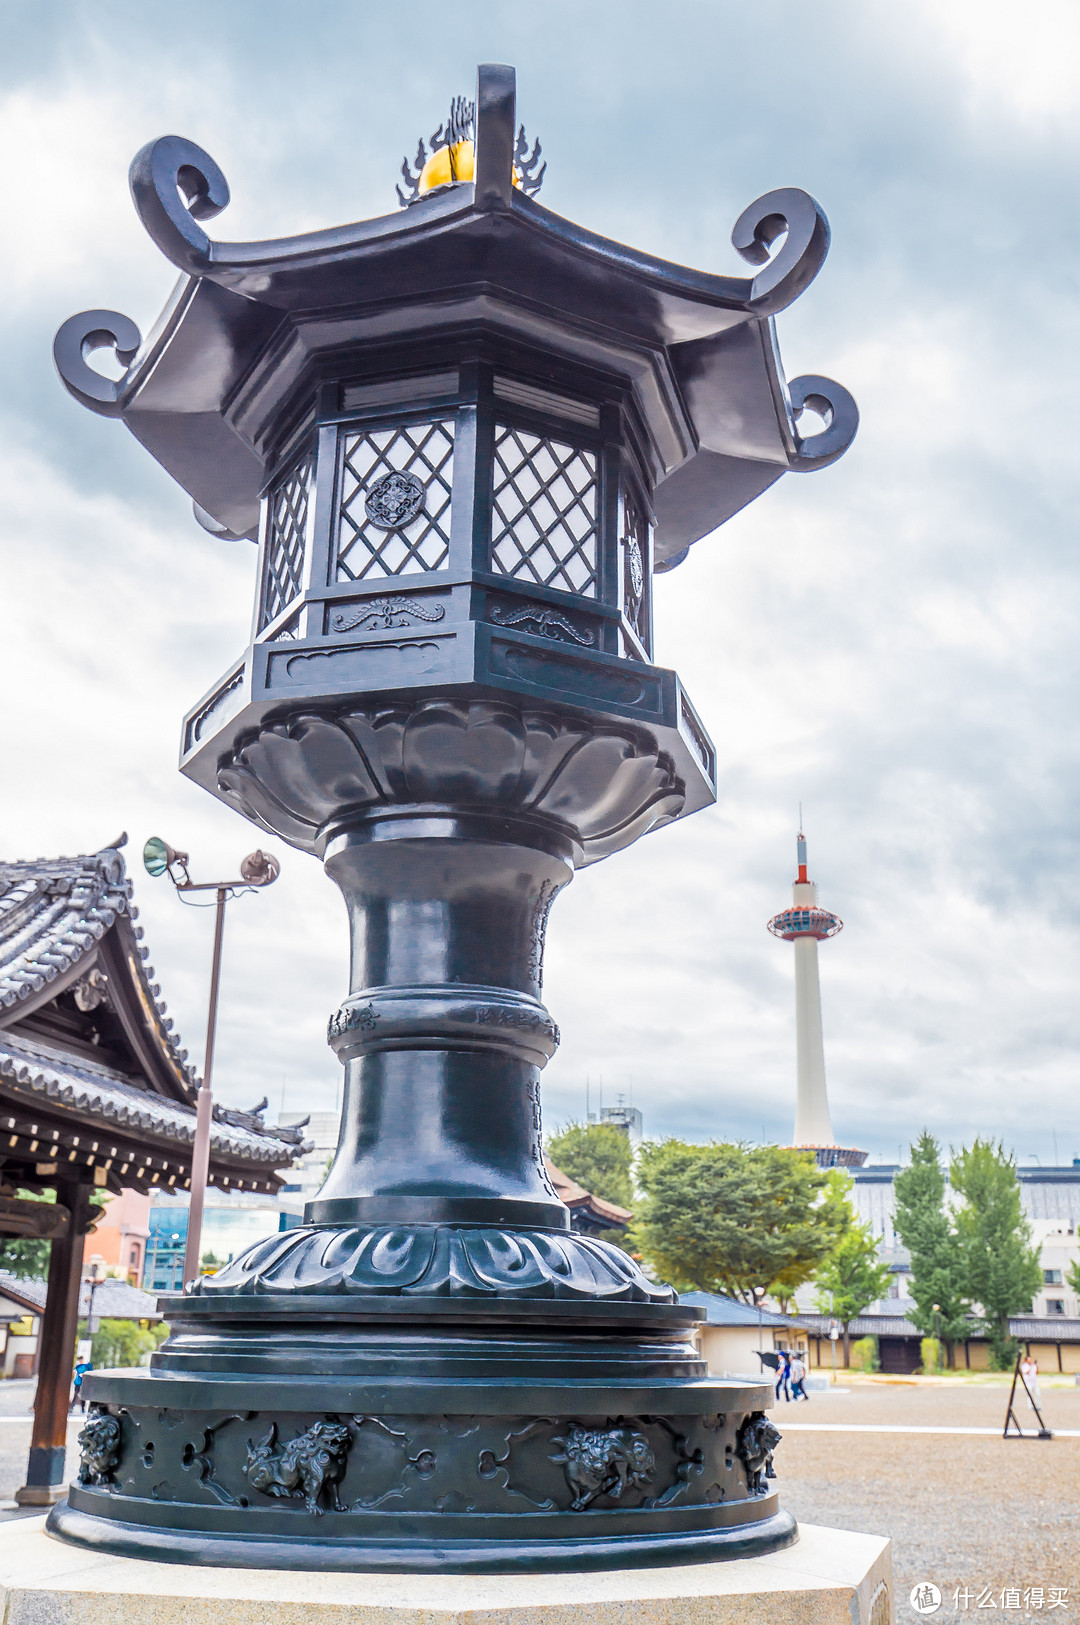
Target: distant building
x=117 y=1243
x=306 y=1175
x=1051 y=1201
x=22 y=1306
x=734 y=1335
x=230 y=1224
x=627 y=1118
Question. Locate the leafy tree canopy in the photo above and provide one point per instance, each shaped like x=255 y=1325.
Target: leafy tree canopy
x=122 y=1342
x=1002 y=1267
x=598 y=1157
x=735 y=1218
x=1072 y=1275
x=851 y=1277
x=938 y=1266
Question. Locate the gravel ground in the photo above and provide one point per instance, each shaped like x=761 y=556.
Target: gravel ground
x=962 y=1510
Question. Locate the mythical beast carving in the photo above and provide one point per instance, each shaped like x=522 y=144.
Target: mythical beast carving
x=305 y=1466
x=99 y=1448
x=602 y=1461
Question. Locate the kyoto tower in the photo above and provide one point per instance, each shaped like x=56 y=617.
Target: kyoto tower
x=806 y=925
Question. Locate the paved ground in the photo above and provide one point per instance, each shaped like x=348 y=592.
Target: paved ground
x=16 y=1420
x=963 y=1510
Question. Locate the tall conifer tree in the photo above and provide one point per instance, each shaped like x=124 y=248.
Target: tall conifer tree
x=938 y=1271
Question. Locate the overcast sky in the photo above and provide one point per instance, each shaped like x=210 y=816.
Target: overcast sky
x=892 y=641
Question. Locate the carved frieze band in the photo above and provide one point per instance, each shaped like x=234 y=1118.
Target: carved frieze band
x=474 y=1017
x=357 y=1463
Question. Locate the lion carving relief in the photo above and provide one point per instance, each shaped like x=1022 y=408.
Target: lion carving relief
x=305 y=1467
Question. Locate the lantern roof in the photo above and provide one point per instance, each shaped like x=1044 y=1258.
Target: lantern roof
x=251 y=327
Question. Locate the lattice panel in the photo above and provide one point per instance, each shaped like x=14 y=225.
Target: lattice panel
x=421 y=452
x=543 y=522
x=286 y=540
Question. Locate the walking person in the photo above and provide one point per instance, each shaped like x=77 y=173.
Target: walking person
x=783 y=1373
x=798 y=1376
x=78 y=1397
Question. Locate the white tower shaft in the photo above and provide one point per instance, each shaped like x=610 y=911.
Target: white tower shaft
x=813 y=1125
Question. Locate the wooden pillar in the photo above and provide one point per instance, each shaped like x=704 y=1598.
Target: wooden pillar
x=56 y=1355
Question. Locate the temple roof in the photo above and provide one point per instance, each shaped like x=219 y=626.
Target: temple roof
x=55 y=914
x=588 y=1208
x=39 y=1074
x=88 y=1052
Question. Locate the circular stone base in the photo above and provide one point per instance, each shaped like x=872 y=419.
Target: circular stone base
x=830 y=1577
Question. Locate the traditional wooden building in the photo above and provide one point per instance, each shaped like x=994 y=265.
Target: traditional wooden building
x=589 y=1215
x=96 y=1095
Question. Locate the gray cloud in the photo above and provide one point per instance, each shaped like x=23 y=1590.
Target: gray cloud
x=892 y=641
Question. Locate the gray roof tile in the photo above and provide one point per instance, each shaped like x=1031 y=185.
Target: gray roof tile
x=33 y=1069
x=53 y=914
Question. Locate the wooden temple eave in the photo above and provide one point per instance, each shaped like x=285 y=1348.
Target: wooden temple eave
x=63 y=1116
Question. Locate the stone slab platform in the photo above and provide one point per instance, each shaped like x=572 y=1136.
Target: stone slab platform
x=830 y=1577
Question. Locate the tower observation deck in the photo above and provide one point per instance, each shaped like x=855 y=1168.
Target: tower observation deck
x=805 y=925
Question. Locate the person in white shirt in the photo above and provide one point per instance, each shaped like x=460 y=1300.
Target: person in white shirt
x=798 y=1376
x=1029 y=1370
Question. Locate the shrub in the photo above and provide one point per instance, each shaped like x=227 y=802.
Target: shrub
x=930 y=1353
x=124 y=1343
x=864 y=1354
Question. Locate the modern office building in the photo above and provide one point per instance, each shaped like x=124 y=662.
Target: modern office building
x=308 y=1172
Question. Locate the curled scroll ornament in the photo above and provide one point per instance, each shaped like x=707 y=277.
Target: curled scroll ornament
x=784 y=277
x=175 y=184
x=77 y=338
x=836 y=407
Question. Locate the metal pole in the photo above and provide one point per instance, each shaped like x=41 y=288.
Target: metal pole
x=200 y=1156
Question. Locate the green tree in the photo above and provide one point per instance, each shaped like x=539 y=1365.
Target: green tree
x=1072 y=1275
x=939 y=1282
x=852 y=1277
x=1002 y=1267
x=598 y=1157
x=728 y=1217
x=123 y=1342
x=25 y=1258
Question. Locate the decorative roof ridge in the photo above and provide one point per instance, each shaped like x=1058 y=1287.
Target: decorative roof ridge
x=171 y=1119
x=144 y=971
x=88 y=892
